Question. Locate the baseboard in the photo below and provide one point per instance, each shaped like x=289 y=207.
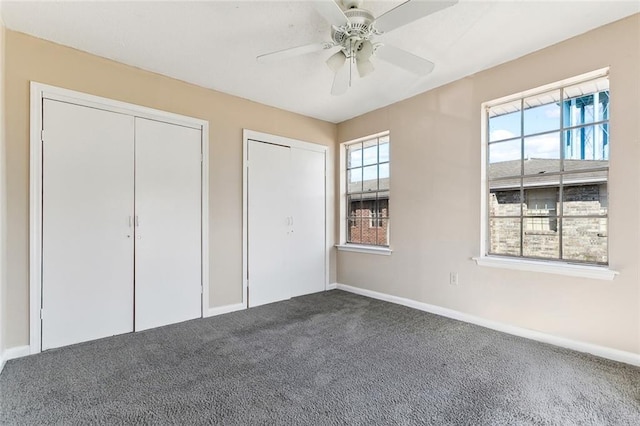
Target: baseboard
x=332 y=286
x=601 y=351
x=219 y=310
x=13 y=353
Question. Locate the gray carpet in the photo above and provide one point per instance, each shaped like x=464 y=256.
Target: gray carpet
x=329 y=358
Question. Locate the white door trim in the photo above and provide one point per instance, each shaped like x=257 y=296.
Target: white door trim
x=41 y=91
x=277 y=140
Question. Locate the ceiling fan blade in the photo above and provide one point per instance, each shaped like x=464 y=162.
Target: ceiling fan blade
x=405 y=60
x=293 y=52
x=408 y=12
x=330 y=11
x=341 y=81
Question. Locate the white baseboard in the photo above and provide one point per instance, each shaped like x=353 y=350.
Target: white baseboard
x=13 y=353
x=219 y=310
x=332 y=286
x=601 y=351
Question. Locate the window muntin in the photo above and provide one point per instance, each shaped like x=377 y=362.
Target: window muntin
x=367 y=191
x=547 y=173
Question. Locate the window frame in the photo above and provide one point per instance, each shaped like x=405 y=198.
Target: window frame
x=344 y=217
x=556 y=266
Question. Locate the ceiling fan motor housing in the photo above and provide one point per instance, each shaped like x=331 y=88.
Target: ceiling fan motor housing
x=359 y=27
x=350 y=4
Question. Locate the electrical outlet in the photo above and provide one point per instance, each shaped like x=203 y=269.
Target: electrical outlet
x=453 y=278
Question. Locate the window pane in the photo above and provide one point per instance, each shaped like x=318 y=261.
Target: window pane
x=586 y=147
x=383 y=172
x=354 y=155
x=505 y=202
x=585 y=199
x=383 y=204
x=542 y=113
x=504 y=159
x=542 y=154
x=370 y=178
x=585 y=239
x=586 y=103
x=354 y=179
x=505 y=121
x=370 y=152
x=383 y=232
x=383 y=149
x=354 y=203
x=541 y=202
x=366 y=225
x=504 y=236
x=539 y=239
x=355 y=230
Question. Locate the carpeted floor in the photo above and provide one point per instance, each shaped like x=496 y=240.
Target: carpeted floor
x=329 y=358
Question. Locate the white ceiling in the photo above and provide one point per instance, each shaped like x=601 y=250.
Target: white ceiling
x=214 y=43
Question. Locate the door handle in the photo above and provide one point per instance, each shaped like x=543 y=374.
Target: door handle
x=137 y=222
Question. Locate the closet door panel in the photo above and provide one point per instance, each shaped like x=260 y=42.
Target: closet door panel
x=268 y=224
x=87 y=242
x=168 y=224
x=308 y=229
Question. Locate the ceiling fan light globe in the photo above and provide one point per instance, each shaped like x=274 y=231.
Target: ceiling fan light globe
x=336 y=61
x=365 y=51
x=365 y=67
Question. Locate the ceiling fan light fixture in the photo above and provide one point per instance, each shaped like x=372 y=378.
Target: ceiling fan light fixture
x=365 y=67
x=365 y=50
x=336 y=61
x=353 y=33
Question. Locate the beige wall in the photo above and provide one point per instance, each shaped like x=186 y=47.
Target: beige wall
x=29 y=58
x=435 y=199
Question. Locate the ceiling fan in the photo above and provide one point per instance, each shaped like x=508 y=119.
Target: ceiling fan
x=352 y=34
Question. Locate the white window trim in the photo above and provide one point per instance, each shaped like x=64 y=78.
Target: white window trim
x=519 y=263
x=555 y=267
x=351 y=247
x=362 y=248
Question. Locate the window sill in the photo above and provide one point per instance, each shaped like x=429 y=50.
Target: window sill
x=357 y=248
x=570 y=269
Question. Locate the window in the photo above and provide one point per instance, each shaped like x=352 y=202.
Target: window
x=547 y=172
x=367 y=191
x=541 y=208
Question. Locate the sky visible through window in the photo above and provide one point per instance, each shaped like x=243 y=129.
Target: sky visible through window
x=545 y=119
x=537 y=120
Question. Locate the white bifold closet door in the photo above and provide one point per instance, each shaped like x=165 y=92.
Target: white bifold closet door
x=268 y=222
x=285 y=222
x=307 y=236
x=87 y=241
x=168 y=224
x=121 y=224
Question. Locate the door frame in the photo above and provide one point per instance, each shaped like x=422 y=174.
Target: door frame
x=39 y=92
x=292 y=143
